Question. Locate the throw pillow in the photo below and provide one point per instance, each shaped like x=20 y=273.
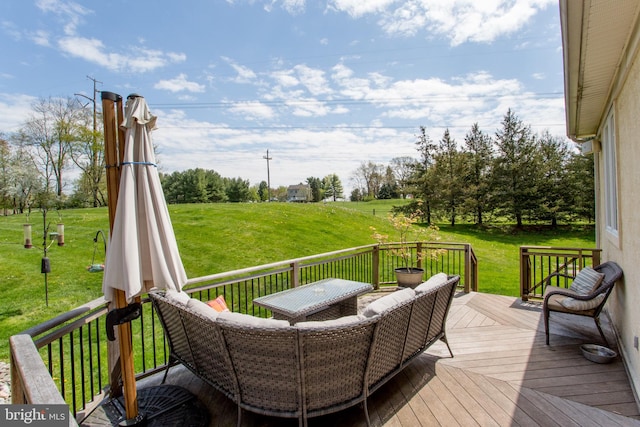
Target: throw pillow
x=218 y=304
x=388 y=301
x=433 y=282
x=586 y=281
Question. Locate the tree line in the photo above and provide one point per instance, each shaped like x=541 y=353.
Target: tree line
x=515 y=175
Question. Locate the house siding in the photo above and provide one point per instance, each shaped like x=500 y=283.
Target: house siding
x=625 y=248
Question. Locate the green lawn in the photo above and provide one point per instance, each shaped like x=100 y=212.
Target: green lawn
x=220 y=237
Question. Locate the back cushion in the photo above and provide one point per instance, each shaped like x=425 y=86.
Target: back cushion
x=177 y=297
x=433 y=282
x=247 y=320
x=340 y=321
x=202 y=309
x=386 y=302
x=586 y=281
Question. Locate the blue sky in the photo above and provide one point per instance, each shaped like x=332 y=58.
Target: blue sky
x=323 y=85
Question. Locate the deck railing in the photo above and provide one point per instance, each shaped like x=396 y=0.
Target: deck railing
x=79 y=364
x=539 y=263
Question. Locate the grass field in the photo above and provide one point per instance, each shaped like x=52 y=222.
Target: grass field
x=220 y=237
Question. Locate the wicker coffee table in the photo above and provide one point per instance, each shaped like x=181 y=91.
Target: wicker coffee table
x=323 y=300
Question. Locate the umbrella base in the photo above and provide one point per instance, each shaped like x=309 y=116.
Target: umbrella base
x=165 y=405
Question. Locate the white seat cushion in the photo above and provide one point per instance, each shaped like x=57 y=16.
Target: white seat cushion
x=177 y=297
x=251 y=321
x=340 y=321
x=197 y=306
x=579 y=305
x=388 y=301
x=433 y=282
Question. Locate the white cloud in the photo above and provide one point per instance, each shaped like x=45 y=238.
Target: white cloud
x=12 y=30
x=179 y=84
x=285 y=78
x=358 y=8
x=70 y=13
x=296 y=153
x=14 y=110
x=244 y=74
x=139 y=60
x=41 y=38
x=252 y=110
x=313 y=79
x=293 y=6
x=458 y=20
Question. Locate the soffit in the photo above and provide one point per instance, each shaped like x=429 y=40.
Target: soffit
x=595 y=34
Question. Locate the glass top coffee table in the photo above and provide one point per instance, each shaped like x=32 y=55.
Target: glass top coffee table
x=322 y=300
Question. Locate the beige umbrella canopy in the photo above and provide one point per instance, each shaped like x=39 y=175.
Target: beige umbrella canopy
x=142 y=252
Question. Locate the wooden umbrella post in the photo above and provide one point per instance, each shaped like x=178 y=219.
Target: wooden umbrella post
x=112 y=112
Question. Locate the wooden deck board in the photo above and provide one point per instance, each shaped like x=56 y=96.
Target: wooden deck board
x=502 y=374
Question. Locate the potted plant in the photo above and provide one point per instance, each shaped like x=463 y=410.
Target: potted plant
x=408 y=233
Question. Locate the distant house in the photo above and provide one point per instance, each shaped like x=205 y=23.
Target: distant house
x=601 y=43
x=299 y=193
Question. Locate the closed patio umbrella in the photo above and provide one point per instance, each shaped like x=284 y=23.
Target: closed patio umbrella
x=142 y=251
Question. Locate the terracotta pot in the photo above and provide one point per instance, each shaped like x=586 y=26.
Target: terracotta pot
x=409 y=277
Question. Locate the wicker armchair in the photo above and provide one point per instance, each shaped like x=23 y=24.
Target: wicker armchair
x=554 y=296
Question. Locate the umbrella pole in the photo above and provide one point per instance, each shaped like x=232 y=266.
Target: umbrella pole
x=114 y=153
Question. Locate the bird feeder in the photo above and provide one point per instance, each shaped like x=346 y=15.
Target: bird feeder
x=60 y=234
x=27 y=235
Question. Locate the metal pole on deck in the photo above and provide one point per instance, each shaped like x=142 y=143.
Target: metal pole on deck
x=113 y=114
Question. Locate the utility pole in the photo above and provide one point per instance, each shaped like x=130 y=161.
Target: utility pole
x=267 y=158
x=93 y=101
x=94 y=146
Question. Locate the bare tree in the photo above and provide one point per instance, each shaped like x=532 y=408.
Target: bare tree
x=403 y=169
x=371 y=175
x=50 y=132
x=87 y=152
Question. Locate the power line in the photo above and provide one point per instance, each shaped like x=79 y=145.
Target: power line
x=347 y=101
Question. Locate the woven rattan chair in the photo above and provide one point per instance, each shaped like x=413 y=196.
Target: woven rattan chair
x=554 y=296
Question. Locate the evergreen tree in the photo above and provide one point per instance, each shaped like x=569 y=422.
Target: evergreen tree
x=448 y=177
x=553 y=185
x=237 y=189
x=333 y=186
x=194 y=186
x=581 y=186
x=479 y=156
x=317 y=192
x=263 y=191
x=515 y=168
x=424 y=176
x=215 y=188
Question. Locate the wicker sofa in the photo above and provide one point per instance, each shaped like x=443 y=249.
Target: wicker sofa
x=311 y=368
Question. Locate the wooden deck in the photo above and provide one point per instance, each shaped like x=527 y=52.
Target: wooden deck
x=502 y=374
